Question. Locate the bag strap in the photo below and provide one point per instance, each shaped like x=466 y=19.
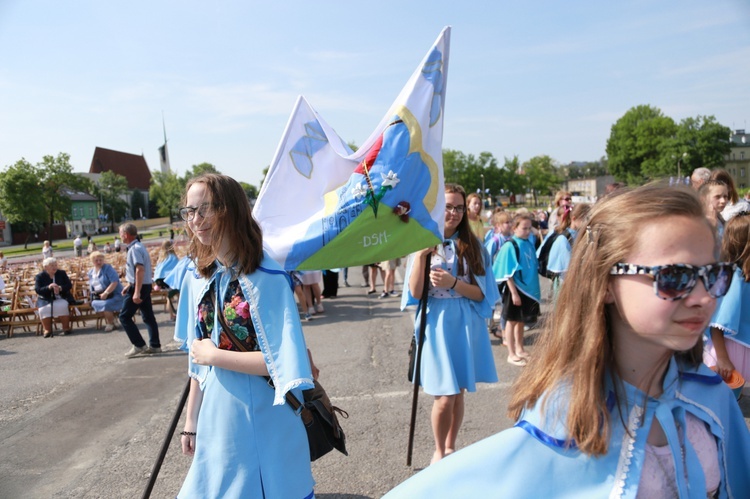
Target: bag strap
x=294 y=403
x=518 y=257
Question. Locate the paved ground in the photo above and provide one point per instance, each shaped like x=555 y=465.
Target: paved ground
x=78 y=419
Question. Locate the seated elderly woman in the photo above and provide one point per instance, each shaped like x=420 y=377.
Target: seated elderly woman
x=105 y=288
x=53 y=287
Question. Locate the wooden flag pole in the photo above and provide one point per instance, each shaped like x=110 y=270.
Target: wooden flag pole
x=418 y=363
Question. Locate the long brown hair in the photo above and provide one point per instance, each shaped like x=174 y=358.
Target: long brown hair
x=575 y=349
x=467 y=244
x=233 y=224
x=735 y=246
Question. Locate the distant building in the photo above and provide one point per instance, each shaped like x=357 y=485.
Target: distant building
x=131 y=166
x=84 y=214
x=738 y=159
x=587 y=190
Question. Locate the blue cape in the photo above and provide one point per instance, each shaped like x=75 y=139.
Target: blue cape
x=275 y=318
x=535 y=459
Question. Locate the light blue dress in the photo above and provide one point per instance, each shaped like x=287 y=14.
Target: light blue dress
x=457 y=353
x=534 y=459
x=249 y=442
x=524 y=271
x=99 y=282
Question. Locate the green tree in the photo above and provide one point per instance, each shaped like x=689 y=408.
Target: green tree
x=166 y=191
x=634 y=147
x=514 y=180
x=112 y=190
x=138 y=208
x=55 y=175
x=200 y=169
x=250 y=190
x=699 y=141
x=26 y=212
x=541 y=176
x=588 y=169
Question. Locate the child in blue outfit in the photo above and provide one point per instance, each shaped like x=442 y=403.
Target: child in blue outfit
x=730 y=325
x=456 y=353
x=516 y=266
x=617 y=403
x=571 y=221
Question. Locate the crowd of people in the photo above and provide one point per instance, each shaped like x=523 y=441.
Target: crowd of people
x=615 y=399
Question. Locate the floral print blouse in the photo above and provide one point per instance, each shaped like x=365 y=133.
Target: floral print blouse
x=241 y=335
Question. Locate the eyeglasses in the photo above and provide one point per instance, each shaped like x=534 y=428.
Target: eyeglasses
x=187 y=213
x=567 y=199
x=455 y=209
x=676 y=281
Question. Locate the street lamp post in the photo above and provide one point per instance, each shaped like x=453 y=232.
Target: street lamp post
x=679 y=162
x=482 y=175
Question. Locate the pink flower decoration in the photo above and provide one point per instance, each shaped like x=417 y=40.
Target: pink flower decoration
x=243 y=310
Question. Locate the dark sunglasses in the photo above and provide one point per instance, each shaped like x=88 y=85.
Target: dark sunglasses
x=676 y=281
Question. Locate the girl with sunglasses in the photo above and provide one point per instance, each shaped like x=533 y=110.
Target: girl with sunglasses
x=616 y=402
x=562 y=198
x=730 y=325
x=461 y=295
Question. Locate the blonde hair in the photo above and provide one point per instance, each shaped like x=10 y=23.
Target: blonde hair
x=561 y=194
x=167 y=248
x=575 y=350
x=501 y=217
x=735 y=245
x=95 y=254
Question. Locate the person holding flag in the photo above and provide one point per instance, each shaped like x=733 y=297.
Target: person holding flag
x=456 y=353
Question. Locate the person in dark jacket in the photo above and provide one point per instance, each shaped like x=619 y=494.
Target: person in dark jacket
x=54 y=289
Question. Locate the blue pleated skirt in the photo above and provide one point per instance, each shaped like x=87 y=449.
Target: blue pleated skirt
x=457 y=353
x=245 y=446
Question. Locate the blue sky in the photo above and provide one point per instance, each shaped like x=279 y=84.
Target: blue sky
x=524 y=78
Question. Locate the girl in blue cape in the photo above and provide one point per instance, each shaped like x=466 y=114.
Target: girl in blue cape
x=617 y=402
x=165 y=263
x=456 y=353
x=234 y=317
x=516 y=266
x=571 y=221
x=730 y=325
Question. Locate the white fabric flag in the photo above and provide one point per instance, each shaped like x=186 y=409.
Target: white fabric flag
x=323 y=206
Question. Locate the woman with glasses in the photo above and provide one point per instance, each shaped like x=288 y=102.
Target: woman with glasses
x=562 y=198
x=461 y=295
x=246 y=351
x=617 y=402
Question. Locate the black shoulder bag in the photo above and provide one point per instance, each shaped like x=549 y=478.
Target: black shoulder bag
x=324 y=433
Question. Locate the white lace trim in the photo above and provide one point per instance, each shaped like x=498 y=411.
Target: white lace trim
x=724 y=329
x=626 y=452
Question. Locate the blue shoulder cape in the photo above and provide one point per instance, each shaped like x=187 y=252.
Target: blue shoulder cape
x=536 y=459
x=732 y=314
x=165 y=266
x=524 y=271
x=275 y=318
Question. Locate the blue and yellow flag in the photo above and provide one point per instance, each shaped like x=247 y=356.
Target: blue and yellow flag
x=324 y=206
